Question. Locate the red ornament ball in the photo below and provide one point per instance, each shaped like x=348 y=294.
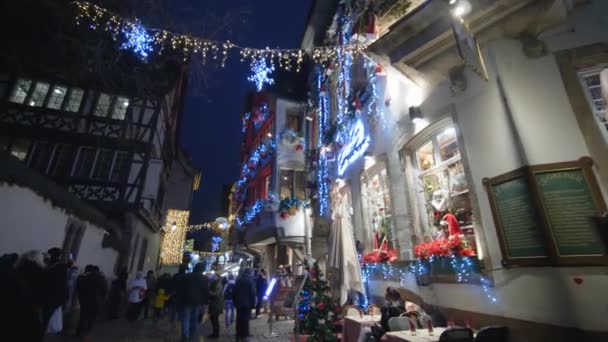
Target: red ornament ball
x=321 y=306
x=299 y=147
x=284 y=215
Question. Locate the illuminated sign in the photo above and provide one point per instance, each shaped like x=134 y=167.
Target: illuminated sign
x=270 y=287
x=357 y=144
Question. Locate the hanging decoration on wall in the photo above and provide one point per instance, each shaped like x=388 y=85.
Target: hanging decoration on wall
x=260 y=72
x=145 y=42
x=357 y=142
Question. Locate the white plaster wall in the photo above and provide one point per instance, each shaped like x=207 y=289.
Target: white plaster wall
x=152 y=250
x=29 y=222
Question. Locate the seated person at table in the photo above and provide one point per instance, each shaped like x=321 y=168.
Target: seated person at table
x=392 y=307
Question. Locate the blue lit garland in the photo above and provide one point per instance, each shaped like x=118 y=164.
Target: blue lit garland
x=138 y=40
x=463 y=266
x=322 y=166
x=245 y=120
x=260 y=73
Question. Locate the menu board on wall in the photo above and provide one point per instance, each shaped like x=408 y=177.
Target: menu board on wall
x=544 y=214
x=519 y=227
x=569 y=206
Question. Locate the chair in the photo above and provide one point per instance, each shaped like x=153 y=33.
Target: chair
x=493 y=334
x=457 y=334
x=374 y=309
x=352 y=310
x=399 y=323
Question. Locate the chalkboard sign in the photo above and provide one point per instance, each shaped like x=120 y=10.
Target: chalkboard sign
x=519 y=228
x=569 y=206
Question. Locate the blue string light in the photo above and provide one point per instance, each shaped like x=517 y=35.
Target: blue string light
x=260 y=73
x=138 y=40
x=322 y=166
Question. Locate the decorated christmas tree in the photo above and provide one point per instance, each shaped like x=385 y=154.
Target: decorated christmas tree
x=317 y=312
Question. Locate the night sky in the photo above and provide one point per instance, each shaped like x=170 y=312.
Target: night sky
x=211 y=128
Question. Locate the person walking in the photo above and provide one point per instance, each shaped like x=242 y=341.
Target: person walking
x=159 y=303
x=261 y=284
x=176 y=291
x=195 y=297
x=150 y=293
x=228 y=294
x=137 y=292
x=25 y=303
x=244 y=300
x=91 y=289
x=216 y=304
x=55 y=287
x=118 y=292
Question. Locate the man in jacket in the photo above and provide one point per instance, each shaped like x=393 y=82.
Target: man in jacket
x=216 y=304
x=91 y=288
x=244 y=300
x=194 y=296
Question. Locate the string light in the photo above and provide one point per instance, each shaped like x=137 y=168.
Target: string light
x=99 y=18
x=137 y=39
x=260 y=73
x=172 y=247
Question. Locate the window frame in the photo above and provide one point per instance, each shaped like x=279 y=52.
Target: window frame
x=112 y=107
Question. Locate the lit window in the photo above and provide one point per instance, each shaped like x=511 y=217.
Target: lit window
x=40 y=91
x=293 y=184
x=20 y=148
x=426 y=159
x=74 y=100
x=103 y=105
x=376 y=201
x=120 y=108
x=22 y=88
x=84 y=163
x=56 y=97
x=103 y=163
x=592 y=87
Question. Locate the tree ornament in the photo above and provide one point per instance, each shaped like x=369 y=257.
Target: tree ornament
x=284 y=215
x=299 y=147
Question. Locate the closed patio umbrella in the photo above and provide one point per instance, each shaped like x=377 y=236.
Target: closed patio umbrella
x=342 y=261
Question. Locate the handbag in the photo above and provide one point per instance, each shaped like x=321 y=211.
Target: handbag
x=55 y=324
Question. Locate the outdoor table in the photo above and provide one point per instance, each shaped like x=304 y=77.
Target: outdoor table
x=422 y=335
x=353 y=324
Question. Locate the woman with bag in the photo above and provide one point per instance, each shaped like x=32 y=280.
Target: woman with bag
x=137 y=294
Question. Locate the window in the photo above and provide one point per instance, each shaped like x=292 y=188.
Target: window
x=84 y=162
x=592 y=87
x=293 y=184
x=73 y=238
x=376 y=201
x=103 y=105
x=20 y=147
x=56 y=97
x=41 y=156
x=442 y=186
x=294 y=122
x=120 y=167
x=22 y=88
x=103 y=164
x=120 y=108
x=63 y=159
x=113 y=106
x=39 y=94
x=74 y=100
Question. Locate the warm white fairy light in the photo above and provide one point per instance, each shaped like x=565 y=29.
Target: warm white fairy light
x=172 y=248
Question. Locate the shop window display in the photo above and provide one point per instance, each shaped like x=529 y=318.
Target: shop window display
x=377 y=204
x=443 y=197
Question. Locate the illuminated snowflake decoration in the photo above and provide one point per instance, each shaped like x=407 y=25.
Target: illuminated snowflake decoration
x=138 y=40
x=260 y=73
x=215 y=243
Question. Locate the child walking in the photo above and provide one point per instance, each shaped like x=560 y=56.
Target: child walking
x=159 y=303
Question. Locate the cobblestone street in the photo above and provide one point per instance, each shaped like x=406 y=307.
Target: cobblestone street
x=146 y=330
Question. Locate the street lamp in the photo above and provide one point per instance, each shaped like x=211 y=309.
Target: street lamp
x=460 y=8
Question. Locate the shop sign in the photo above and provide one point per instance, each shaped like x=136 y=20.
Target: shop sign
x=357 y=144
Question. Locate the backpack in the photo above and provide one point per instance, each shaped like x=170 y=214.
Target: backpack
x=229 y=292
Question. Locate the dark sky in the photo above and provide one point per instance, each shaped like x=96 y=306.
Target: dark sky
x=211 y=128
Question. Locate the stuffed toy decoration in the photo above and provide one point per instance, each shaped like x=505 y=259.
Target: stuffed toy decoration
x=440 y=200
x=453 y=226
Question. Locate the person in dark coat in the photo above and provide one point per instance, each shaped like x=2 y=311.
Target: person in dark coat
x=27 y=299
x=118 y=293
x=91 y=289
x=216 y=304
x=244 y=300
x=176 y=291
x=195 y=297
x=261 y=283
x=56 y=291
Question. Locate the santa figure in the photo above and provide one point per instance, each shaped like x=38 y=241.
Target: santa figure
x=451 y=222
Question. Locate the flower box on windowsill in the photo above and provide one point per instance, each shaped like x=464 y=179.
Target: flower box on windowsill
x=442 y=270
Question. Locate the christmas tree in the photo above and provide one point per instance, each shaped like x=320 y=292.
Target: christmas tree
x=317 y=312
